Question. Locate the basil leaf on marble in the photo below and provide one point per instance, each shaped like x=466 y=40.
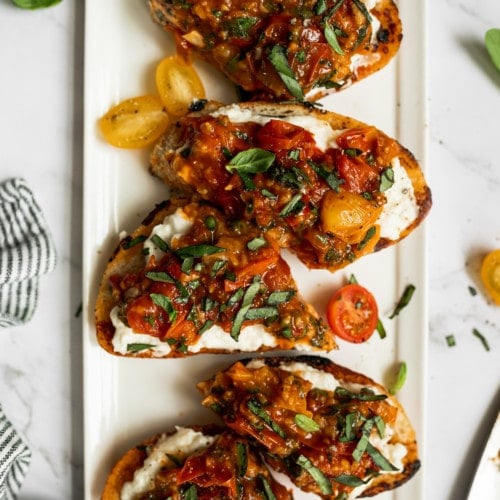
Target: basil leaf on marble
x=35 y=4
x=492 y=42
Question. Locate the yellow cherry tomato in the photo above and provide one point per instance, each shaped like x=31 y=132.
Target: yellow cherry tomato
x=135 y=122
x=490 y=274
x=178 y=84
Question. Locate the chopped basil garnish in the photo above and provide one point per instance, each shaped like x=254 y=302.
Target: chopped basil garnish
x=293 y=206
x=268 y=194
x=403 y=301
x=363 y=441
x=362 y=7
x=472 y=291
x=198 y=250
x=492 y=42
x=166 y=304
x=187 y=265
x=379 y=459
x=380 y=425
x=368 y=236
x=280 y=296
x=190 y=494
x=318 y=476
x=279 y=60
x=160 y=276
x=481 y=337
x=306 y=423
x=241 y=453
x=256 y=243
x=210 y=223
x=331 y=38
x=236 y=297
x=268 y=491
x=381 y=329
x=139 y=347
x=251 y=161
x=330 y=177
x=160 y=243
x=320 y=7
x=255 y=407
x=335 y=8
x=400 y=379
x=450 y=340
x=133 y=242
x=217 y=266
x=240 y=27
x=262 y=313
x=248 y=297
x=386 y=179
x=349 y=480
x=365 y=394
x=35 y=4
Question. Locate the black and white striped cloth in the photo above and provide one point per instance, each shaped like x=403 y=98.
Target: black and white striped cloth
x=15 y=458
x=26 y=252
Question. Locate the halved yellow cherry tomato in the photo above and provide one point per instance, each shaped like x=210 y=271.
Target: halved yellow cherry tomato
x=490 y=275
x=352 y=313
x=135 y=122
x=178 y=84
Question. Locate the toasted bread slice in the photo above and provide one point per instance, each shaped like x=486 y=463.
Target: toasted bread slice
x=286 y=49
x=333 y=431
x=187 y=282
x=327 y=186
x=205 y=462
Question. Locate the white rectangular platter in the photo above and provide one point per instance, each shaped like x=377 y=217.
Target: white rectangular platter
x=127 y=400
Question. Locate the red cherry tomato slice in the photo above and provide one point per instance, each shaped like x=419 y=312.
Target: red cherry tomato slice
x=352 y=313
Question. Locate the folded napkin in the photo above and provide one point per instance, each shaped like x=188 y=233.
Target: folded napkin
x=26 y=252
x=15 y=458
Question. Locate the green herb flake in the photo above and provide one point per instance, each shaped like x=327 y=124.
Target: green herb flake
x=79 y=309
x=279 y=60
x=481 y=337
x=268 y=194
x=400 y=379
x=268 y=491
x=492 y=42
x=166 y=304
x=248 y=297
x=306 y=423
x=368 y=236
x=331 y=38
x=450 y=340
x=255 y=407
x=295 y=205
x=329 y=176
x=239 y=27
x=187 y=265
x=160 y=243
x=256 y=243
x=160 y=276
x=133 y=242
x=386 y=179
x=35 y=4
x=379 y=459
x=262 y=313
x=472 y=291
x=320 y=7
x=280 y=297
x=251 y=161
x=241 y=453
x=349 y=480
x=318 y=476
x=190 y=494
x=198 y=250
x=210 y=223
x=139 y=347
x=381 y=329
x=404 y=300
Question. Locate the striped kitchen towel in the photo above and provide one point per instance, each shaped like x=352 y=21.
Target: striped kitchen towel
x=15 y=458
x=26 y=252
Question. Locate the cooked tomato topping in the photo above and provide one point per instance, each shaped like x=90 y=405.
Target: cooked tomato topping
x=291 y=418
x=490 y=274
x=352 y=313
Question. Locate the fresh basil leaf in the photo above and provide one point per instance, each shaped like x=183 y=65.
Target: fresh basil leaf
x=280 y=296
x=261 y=313
x=239 y=27
x=133 y=242
x=35 y=4
x=166 y=304
x=330 y=177
x=255 y=407
x=481 y=337
x=139 y=347
x=279 y=60
x=241 y=454
x=198 y=250
x=362 y=7
x=295 y=205
x=363 y=441
x=320 y=7
x=187 y=265
x=268 y=491
x=381 y=329
x=365 y=394
x=306 y=423
x=190 y=494
x=367 y=237
x=404 y=300
x=160 y=276
x=206 y=326
x=318 y=476
x=380 y=425
x=210 y=223
x=386 y=179
x=236 y=297
x=248 y=297
x=268 y=194
x=492 y=41
x=251 y=161
x=349 y=480
x=160 y=243
x=379 y=459
x=400 y=379
x=331 y=38
x=256 y=243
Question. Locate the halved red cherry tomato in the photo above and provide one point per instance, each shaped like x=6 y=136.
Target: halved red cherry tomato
x=352 y=313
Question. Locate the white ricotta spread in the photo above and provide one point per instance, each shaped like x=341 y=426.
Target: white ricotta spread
x=401 y=208
x=125 y=336
x=181 y=444
x=173 y=226
x=323 y=133
x=251 y=338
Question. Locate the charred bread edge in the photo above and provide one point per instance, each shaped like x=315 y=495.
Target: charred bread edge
x=167 y=145
x=404 y=431
x=132 y=460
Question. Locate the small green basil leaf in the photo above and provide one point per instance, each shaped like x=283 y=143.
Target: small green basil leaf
x=261 y=313
x=381 y=329
x=241 y=452
x=280 y=296
x=139 y=347
x=160 y=243
x=268 y=491
x=481 y=337
x=404 y=300
x=256 y=243
x=255 y=407
x=492 y=41
x=386 y=179
x=349 y=480
x=331 y=38
x=367 y=237
x=400 y=379
x=166 y=304
x=379 y=459
x=248 y=297
x=160 y=276
x=278 y=59
x=318 y=476
x=134 y=241
x=306 y=423
x=251 y=161
x=295 y=205
x=35 y=4
x=198 y=250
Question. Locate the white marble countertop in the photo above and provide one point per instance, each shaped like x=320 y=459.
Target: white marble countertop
x=41 y=84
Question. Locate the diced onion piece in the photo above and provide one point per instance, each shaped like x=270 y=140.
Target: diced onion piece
x=348 y=215
x=178 y=85
x=135 y=122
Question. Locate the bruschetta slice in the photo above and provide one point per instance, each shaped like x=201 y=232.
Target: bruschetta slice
x=334 y=432
x=187 y=281
x=204 y=463
x=327 y=186
x=286 y=49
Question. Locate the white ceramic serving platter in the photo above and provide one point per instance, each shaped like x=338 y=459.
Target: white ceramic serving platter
x=127 y=400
